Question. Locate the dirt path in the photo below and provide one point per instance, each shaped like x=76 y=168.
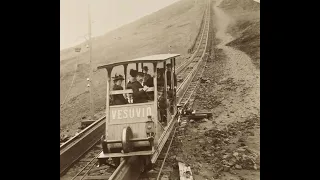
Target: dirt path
x=245 y=101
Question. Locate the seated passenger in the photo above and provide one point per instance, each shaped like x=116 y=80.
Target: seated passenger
x=139 y=96
x=133 y=74
x=147 y=79
x=118 y=99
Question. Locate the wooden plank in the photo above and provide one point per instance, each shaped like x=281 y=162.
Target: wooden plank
x=208 y=113
x=185 y=172
x=87 y=122
x=93 y=177
x=138 y=153
x=128 y=91
x=197 y=116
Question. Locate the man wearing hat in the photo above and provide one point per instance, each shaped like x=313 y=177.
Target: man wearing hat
x=118 y=99
x=169 y=69
x=147 y=79
x=162 y=105
x=139 y=96
x=171 y=93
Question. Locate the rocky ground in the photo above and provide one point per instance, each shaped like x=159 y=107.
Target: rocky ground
x=226 y=146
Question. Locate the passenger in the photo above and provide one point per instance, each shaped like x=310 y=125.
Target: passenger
x=169 y=69
x=147 y=79
x=133 y=74
x=160 y=79
x=162 y=105
x=139 y=96
x=118 y=99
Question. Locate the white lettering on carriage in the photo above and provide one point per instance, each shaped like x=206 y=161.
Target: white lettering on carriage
x=114 y=113
x=125 y=114
x=119 y=114
x=143 y=112
x=138 y=112
x=133 y=113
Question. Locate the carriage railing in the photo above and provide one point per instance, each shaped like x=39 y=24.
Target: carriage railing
x=129 y=91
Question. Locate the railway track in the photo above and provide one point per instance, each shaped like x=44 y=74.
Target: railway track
x=79 y=145
x=160 y=169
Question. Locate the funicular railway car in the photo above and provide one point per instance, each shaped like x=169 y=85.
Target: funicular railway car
x=139 y=111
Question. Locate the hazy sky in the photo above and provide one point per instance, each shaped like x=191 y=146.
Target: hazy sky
x=106 y=14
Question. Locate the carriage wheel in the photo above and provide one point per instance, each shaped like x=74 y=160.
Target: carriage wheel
x=116 y=161
x=127 y=134
x=104 y=144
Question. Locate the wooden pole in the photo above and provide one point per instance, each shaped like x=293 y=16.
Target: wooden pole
x=90 y=58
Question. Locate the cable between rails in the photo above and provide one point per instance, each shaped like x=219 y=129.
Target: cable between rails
x=164 y=160
x=74 y=75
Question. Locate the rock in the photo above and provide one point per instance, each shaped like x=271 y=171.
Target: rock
x=235 y=154
x=226 y=168
x=238 y=166
x=225 y=156
x=232 y=161
x=102 y=171
x=192 y=121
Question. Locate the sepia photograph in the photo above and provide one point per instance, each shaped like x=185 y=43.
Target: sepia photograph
x=160 y=89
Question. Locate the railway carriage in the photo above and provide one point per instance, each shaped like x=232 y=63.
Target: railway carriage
x=134 y=129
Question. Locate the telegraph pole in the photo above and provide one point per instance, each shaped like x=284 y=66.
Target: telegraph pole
x=90 y=58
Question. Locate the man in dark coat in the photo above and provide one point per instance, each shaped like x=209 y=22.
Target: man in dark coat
x=139 y=96
x=169 y=69
x=160 y=79
x=133 y=74
x=171 y=93
x=162 y=105
x=118 y=99
x=147 y=79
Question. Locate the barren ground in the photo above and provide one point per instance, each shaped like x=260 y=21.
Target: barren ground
x=227 y=146
x=176 y=25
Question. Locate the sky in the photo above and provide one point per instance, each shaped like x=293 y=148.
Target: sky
x=105 y=14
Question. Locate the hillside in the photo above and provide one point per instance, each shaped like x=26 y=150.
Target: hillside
x=246 y=28
x=176 y=25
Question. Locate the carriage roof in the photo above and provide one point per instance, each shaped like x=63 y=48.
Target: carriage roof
x=146 y=59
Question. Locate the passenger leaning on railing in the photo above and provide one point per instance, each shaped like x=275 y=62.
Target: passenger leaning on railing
x=139 y=96
x=147 y=79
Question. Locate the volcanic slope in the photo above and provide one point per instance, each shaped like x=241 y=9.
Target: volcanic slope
x=227 y=145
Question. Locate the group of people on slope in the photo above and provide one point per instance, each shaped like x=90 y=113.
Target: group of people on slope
x=140 y=82
x=137 y=81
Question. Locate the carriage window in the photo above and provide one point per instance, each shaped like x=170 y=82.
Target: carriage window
x=136 y=87
x=140 y=81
